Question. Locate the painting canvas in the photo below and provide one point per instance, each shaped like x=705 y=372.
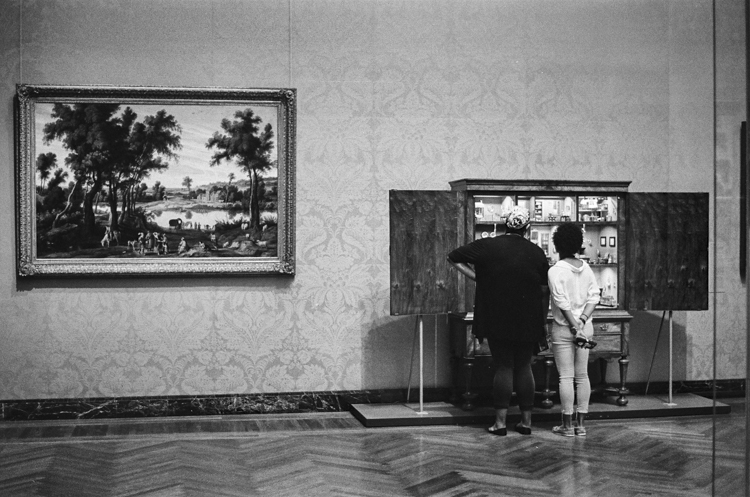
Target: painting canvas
x=145 y=181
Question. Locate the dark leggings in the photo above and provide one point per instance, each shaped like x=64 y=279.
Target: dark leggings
x=513 y=371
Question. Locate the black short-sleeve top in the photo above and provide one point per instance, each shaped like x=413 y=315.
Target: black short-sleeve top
x=510 y=272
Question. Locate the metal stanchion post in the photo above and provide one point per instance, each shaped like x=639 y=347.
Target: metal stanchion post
x=421 y=366
x=670 y=403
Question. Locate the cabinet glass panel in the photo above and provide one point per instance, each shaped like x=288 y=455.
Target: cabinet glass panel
x=489 y=214
x=600 y=251
x=551 y=209
x=597 y=209
x=599 y=216
x=492 y=208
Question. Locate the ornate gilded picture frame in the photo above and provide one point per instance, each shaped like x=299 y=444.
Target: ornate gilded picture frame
x=155 y=181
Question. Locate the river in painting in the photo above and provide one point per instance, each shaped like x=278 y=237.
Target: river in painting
x=176 y=227
x=204 y=218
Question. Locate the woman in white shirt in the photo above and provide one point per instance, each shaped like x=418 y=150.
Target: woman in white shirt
x=575 y=293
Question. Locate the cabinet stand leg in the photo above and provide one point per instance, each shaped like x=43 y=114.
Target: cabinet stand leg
x=549 y=363
x=453 y=399
x=469 y=397
x=621 y=400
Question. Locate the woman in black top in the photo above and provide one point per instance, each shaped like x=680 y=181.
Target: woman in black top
x=510 y=310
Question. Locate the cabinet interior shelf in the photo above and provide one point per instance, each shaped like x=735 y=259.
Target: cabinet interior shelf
x=549 y=223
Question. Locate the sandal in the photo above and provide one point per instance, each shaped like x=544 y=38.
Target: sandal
x=500 y=432
x=564 y=431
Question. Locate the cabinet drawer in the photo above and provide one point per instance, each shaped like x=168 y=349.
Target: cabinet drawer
x=605 y=328
x=608 y=337
x=606 y=344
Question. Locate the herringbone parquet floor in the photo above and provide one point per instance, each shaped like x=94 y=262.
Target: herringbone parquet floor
x=333 y=455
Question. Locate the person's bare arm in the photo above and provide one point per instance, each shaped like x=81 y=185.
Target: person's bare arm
x=575 y=324
x=588 y=312
x=464 y=269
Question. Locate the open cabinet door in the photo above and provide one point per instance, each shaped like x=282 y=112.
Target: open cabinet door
x=667 y=251
x=424 y=229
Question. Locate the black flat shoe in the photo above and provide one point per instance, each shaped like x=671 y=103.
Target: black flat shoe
x=523 y=430
x=500 y=432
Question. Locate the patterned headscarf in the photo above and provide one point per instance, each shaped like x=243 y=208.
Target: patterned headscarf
x=518 y=218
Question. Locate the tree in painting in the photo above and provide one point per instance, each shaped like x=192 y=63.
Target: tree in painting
x=110 y=154
x=150 y=144
x=55 y=195
x=159 y=190
x=91 y=132
x=111 y=150
x=44 y=165
x=187 y=182
x=243 y=141
x=229 y=185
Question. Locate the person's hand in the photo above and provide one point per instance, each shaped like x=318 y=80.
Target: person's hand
x=578 y=328
x=580 y=339
x=583 y=342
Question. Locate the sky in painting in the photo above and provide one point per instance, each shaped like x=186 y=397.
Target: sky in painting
x=198 y=122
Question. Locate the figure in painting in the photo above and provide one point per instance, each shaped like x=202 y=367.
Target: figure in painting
x=183 y=246
x=163 y=247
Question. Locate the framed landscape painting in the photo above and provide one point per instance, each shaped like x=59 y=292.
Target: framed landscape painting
x=154 y=181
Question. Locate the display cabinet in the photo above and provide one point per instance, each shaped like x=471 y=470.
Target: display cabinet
x=648 y=251
x=598 y=207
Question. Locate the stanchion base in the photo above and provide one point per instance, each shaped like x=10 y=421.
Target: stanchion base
x=422 y=413
x=670 y=404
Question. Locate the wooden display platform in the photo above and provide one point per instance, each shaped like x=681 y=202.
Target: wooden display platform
x=443 y=413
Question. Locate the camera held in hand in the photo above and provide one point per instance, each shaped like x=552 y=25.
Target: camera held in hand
x=585 y=343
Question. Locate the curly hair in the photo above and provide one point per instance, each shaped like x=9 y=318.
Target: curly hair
x=568 y=239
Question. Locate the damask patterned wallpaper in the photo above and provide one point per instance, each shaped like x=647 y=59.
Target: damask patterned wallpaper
x=392 y=95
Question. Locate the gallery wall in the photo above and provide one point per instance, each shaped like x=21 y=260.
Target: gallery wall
x=391 y=95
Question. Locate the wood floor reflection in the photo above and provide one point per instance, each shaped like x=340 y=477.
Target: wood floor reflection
x=333 y=455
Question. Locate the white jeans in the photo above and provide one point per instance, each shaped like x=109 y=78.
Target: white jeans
x=572 y=365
